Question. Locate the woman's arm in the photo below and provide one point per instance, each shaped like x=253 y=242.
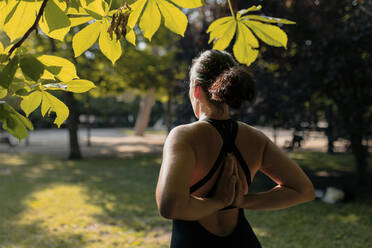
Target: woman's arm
x=293 y=186
x=172 y=192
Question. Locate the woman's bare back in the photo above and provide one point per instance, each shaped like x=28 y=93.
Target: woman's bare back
x=207 y=144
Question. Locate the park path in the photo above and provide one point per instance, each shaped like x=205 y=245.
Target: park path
x=116 y=142
x=112 y=142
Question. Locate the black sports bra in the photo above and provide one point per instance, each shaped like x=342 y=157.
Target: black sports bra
x=228 y=130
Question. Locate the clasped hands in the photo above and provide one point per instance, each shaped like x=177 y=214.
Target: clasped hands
x=231 y=186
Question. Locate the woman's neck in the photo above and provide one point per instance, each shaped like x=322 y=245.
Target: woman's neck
x=214 y=113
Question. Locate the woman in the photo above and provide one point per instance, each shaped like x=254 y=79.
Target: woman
x=208 y=165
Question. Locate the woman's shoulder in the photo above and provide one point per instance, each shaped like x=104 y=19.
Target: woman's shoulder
x=190 y=129
x=252 y=132
x=185 y=131
x=198 y=129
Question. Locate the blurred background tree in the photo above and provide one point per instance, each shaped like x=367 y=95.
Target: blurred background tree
x=320 y=82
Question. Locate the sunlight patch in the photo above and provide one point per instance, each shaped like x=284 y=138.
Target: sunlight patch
x=261 y=232
x=12 y=160
x=60 y=205
x=345 y=219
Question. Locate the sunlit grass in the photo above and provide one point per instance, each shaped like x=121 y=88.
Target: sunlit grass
x=323 y=161
x=315 y=224
x=90 y=203
x=51 y=203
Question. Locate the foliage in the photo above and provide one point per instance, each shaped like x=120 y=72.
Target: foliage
x=240 y=25
x=321 y=77
x=94 y=20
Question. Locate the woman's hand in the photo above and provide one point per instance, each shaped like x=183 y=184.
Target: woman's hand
x=239 y=193
x=241 y=186
x=226 y=185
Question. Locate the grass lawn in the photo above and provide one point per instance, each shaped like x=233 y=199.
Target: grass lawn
x=51 y=203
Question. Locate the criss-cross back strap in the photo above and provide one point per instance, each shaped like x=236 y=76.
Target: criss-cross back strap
x=228 y=130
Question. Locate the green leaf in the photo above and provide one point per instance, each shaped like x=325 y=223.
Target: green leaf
x=222 y=42
x=31 y=67
x=78 y=20
x=78 y=16
x=224 y=29
x=55 y=22
x=7 y=74
x=243 y=52
x=249 y=38
x=21 y=92
x=189 y=4
x=245 y=11
x=51 y=103
x=95 y=8
x=31 y=102
x=21 y=18
x=79 y=85
x=131 y=37
x=150 y=20
x=110 y=48
x=220 y=30
x=267 y=19
x=55 y=17
x=17 y=85
x=3 y=58
x=15 y=123
x=63 y=69
x=218 y=22
x=137 y=8
x=86 y=37
x=174 y=19
x=270 y=34
x=5 y=8
x=3 y=92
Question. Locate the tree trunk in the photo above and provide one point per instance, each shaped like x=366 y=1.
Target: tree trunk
x=73 y=119
x=360 y=155
x=329 y=131
x=72 y=123
x=89 y=143
x=169 y=111
x=144 y=113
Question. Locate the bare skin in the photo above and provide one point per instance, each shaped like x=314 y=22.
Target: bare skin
x=191 y=150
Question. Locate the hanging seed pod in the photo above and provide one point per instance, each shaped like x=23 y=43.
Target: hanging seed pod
x=119 y=22
x=118 y=27
x=113 y=25
x=124 y=23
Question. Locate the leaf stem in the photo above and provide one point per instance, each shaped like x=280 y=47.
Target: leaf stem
x=109 y=7
x=34 y=26
x=231 y=9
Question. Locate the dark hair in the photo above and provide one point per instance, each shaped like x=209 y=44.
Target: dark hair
x=223 y=79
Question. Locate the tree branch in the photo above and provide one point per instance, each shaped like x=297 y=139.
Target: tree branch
x=34 y=26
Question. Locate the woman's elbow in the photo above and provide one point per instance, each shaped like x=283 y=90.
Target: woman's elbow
x=308 y=192
x=166 y=211
x=169 y=209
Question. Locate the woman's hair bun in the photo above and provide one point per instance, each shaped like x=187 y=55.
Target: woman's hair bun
x=233 y=86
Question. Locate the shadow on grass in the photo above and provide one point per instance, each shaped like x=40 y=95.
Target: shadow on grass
x=122 y=190
x=317 y=224
x=119 y=202
x=17 y=182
